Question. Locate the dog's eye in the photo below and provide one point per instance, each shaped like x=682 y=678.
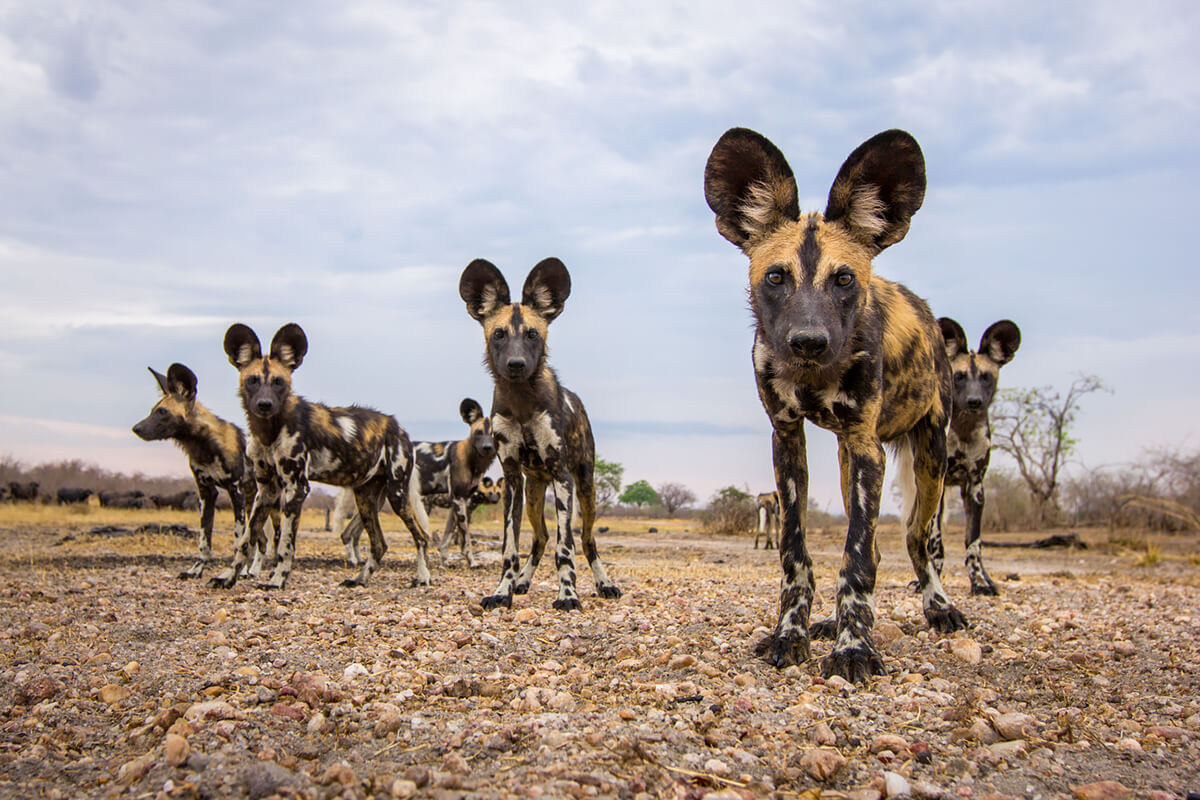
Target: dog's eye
x=775 y=276
x=277 y=382
x=986 y=378
x=162 y=412
x=844 y=279
x=959 y=377
x=252 y=380
x=498 y=334
x=531 y=334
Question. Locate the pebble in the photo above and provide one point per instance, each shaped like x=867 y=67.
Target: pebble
x=209 y=710
x=682 y=661
x=526 y=615
x=134 y=770
x=889 y=741
x=1132 y=745
x=716 y=766
x=967 y=650
x=353 y=672
x=823 y=735
x=35 y=689
x=175 y=749
x=895 y=785
x=1014 y=726
x=112 y=693
x=1101 y=790
x=822 y=765
x=403 y=788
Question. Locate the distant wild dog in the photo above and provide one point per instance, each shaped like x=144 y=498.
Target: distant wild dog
x=975 y=374
x=487 y=492
x=768 y=518
x=449 y=469
x=541 y=428
x=293 y=441
x=216 y=452
x=849 y=351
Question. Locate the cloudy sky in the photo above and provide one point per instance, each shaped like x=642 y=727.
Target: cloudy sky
x=167 y=169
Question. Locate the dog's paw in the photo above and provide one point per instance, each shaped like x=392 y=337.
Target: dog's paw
x=946 y=620
x=567 y=604
x=784 y=651
x=495 y=601
x=824 y=629
x=855 y=664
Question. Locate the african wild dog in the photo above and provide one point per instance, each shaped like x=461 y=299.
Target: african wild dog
x=450 y=469
x=488 y=492
x=216 y=452
x=541 y=428
x=768 y=518
x=853 y=353
x=293 y=441
x=969 y=444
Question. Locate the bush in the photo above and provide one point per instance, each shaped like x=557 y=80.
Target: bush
x=730 y=512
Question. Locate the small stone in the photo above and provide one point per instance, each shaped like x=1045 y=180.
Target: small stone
x=112 y=693
x=316 y=724
x=716 y=766
x=888 y=741
x=354 y=671
x=209 y=710
x=1167 y=732
x=526 y=615
x=176 y=749
x=1132 y=745
x=134 y=770
x=338 y=773
x=1014 y=726
x=403 y=788
x=265 y=778
x=823 y=735
x=887 y=632
x=682 y=661
x=1101 y=790
x=33 y=690
x=1007 y=750
x=288 y=711
x=895 y=785
x=967 y=650
x=822 y=765
x=454 y=763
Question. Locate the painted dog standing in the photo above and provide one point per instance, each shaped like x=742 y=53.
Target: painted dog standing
x=216 y=452
x=975 y=374
x=445 y=469
x=541 y=429
x=768 y=519
x=293 y=441
x=849 y=351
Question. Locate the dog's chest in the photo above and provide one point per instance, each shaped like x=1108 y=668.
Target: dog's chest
x=213 y=472
x=967 y=455
x=534 y=442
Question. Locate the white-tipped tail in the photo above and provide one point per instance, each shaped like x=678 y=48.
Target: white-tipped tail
x=906 y=480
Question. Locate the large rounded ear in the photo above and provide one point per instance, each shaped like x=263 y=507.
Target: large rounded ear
x=954 y=336
x=1000 y=341
x=486 y=482
x=289 y=345
x=163 y=383
x=182 y=381
x=878 y=189
x=241 y=345
x=470 y=411
x=547 y=287
x=483 y=289
x=749 y=186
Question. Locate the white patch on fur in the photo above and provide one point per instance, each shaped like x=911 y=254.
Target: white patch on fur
x=762 y=356
x=867 y=210
x=906 y=480
x=544 y=435
x=567 y=402
x=286 y=353
x=321 y=462
x=489 y=299
x=245 y=354
x=349 y=429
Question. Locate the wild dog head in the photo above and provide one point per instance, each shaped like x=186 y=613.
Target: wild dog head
x=480 y=436
x=810 y=274
x=490 y=491
x=169 y=417
x=976 y=373
x=515 y=332
x=265 y=383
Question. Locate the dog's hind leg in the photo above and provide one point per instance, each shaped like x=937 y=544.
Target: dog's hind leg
x=404 y=494
x=367 y=499
x=981 y=582
x=208 y=504
x=585 y=496
x=925 y=449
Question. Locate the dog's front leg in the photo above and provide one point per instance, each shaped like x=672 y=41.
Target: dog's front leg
x=208 y=503
x=972 y=495
x=564 y=552
x=248 y=537
x=293 y=475
x=789 y=644
x=461 y=513
x=510 y=559
x=854 y=656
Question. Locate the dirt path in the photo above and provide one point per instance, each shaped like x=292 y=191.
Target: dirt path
x=116 y=679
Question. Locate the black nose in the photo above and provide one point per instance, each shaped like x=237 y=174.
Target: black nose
x=975 y=403
x=264 y=406
x=516 y=365
x=808 y=344
x=487 y=447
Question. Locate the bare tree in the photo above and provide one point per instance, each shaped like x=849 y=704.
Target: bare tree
x=1034 y=426
x=675 y=496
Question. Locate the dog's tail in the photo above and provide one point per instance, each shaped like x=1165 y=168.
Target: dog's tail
x=762 y=518
x=417 y=504
x=906 y=480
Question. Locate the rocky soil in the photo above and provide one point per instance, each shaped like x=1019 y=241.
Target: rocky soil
x=118 y=680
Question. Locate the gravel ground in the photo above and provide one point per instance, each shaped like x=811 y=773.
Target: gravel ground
x=116 y=679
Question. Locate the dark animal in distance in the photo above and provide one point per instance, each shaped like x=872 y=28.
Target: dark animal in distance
x=975 y=374
x=125 y=498
x=23 y=490
x=768 y=518
x=293 y=441
x=541 y=428
x=216 y=453
x=450 y=469
x=487 y=492
x=70 y=495
x=187 y=500
x=849 y=351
